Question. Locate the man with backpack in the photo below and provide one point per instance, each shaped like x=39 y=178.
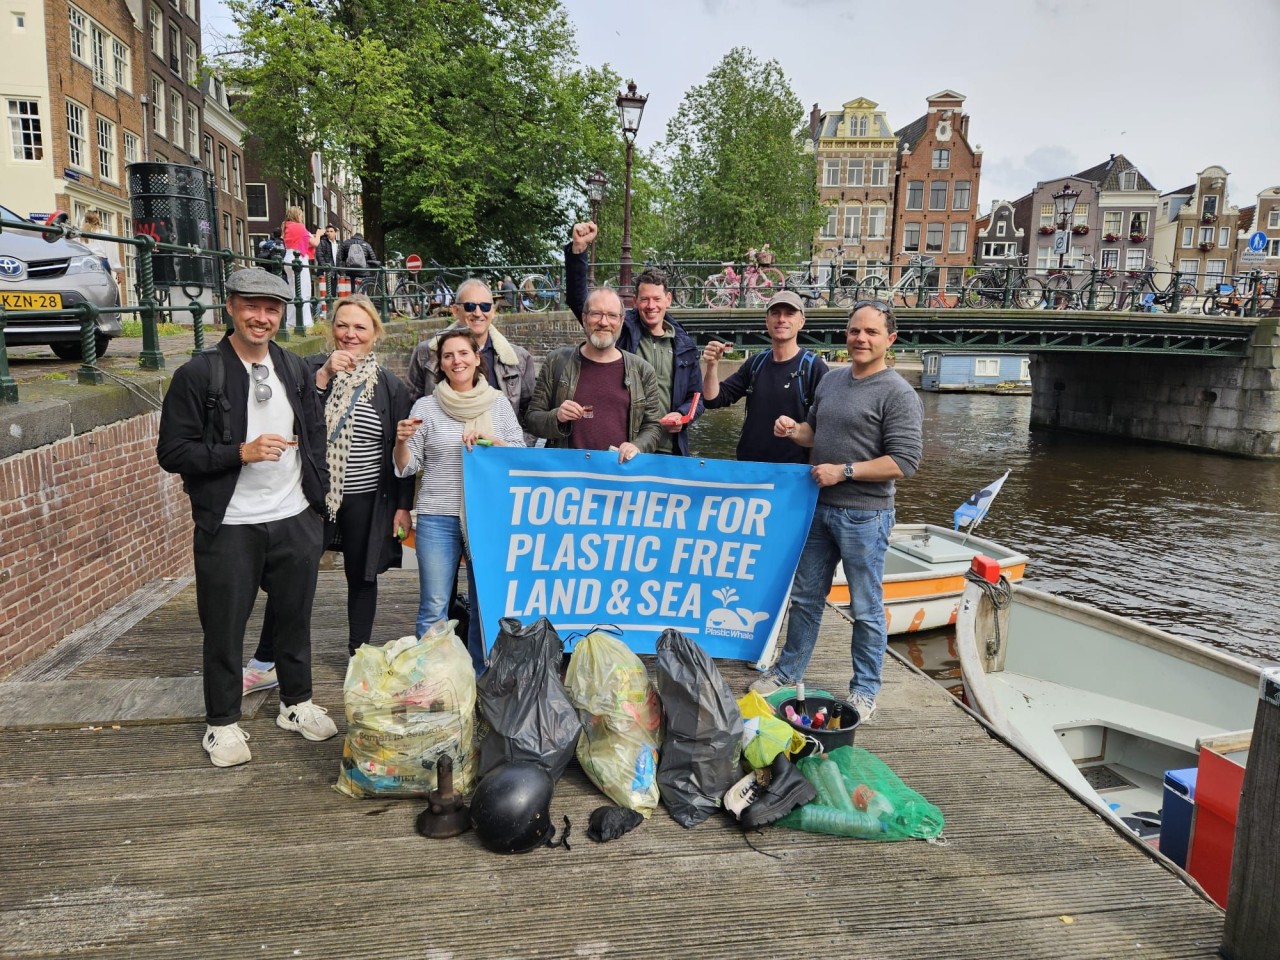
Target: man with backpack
x=776 y=382
x=357 y=256
x=243 y=425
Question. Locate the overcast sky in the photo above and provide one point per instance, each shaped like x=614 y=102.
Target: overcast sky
x=1052 y=87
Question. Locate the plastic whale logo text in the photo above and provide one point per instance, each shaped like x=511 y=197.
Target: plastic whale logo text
x=732 y=621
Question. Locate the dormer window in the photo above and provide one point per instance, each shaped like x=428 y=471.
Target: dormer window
x=857 y=125
x=1129 y=180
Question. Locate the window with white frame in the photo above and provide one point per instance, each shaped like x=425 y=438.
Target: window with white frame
x=239 y=236
x=879 y=173
x=193 y=128
x=226 y=230
x=120 y=72
x=831 y=173
x=856 y=172
x=190 y=7
x=875 y=222
x=1273 y=248
x=79 y=33
x=938 y=195
x=25 y=136
x=1214 y=272
x=932 y=363
x=941 y=158
x=190 y=61
x=853 y=223
x=1138 y=222
x=958 y=242
x=960 y=195
x=175 y=49
x=1110 y=259
x=1273 y=219
x=106 y=131
x=1112 y=222
x=1000 y=228
x=256 y=200
x=1206 y=235
x=858 y=125
x=1164 y=209
x=1024 y=368
x=207 y=153
x=1189 y=270
x=1135 y=258
x=1209 y=206
x=1045 y=259
x=1129 y=180
x=155 y=23
x=986 y=366
x=1188 y=236
x=915 y=194
x=157 y=108
x=911 y=237
x=176 y=112
x=76 y=147
x=933 y=238
x=223 y=180
x=130 y=147
x=1046 y=215
x=100 y=43
x=1224 y=236
x=829 y=228
x=1080 y=216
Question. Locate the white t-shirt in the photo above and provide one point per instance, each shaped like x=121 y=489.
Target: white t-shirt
x=271 y=489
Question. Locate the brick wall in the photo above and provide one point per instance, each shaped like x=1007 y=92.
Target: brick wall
x=83 y=523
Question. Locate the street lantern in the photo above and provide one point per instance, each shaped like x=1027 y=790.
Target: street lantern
x=1064 y=205
x=630 y=110
x=595 y=193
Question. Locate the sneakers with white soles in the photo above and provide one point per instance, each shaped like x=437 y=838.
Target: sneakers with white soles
x=865 y=705
x=767 y=684
x=259 y=676
x=308 y=719
x=226 y=745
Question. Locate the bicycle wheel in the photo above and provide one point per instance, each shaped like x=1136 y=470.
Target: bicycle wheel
x=1100 y=293
x=538 y=293
x=678 y=287
x=1058 y=294
x=1211 y=307
x=1028 y=294
x=408 y=299
x=1186 y=298
x=907 y=292
x=716 y=293
x=871 y=288
x=977 y=292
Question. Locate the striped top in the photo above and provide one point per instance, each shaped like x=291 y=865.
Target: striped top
x=364 y=461
x=436 y=449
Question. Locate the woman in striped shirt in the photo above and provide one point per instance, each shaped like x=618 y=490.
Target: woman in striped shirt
x=463 y=411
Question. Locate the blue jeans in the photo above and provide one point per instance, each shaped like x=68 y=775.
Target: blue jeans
x=438 y=545
x=858 y=539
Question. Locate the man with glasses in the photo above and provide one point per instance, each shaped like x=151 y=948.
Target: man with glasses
x=782 y=380
x=509 y=367
x=866 y=432
x=243 y=425
x=596 y=397
x=649 y=331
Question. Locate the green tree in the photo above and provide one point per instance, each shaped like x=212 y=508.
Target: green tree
x=465 y=120
x=739 y=174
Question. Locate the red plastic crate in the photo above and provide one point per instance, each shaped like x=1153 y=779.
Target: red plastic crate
x=1213 y=827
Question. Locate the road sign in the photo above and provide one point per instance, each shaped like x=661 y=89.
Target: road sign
x=1259 y=247
x=1257 y=241
x=413 y=263
x=1062 y=242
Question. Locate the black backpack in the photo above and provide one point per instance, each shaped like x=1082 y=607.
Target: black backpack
x=805 y=377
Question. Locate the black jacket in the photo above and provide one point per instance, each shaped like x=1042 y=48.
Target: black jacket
x=210 y=469
x=327 y=252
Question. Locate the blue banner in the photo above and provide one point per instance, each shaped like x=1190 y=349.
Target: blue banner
x=707 y=547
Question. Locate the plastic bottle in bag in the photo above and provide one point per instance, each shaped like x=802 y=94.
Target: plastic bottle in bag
x=869 y=801
x=816 y=818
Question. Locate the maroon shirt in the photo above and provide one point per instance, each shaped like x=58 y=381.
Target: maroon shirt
x=603 y=387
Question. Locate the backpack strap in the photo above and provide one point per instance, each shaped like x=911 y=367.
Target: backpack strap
x=804 y=378
x=215 y=396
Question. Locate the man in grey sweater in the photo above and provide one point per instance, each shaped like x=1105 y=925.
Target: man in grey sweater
x=865 y=428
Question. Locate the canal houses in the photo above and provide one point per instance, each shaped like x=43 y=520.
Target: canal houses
x=1196 y=229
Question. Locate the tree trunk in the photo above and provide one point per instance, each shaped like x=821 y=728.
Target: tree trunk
x=371 y=203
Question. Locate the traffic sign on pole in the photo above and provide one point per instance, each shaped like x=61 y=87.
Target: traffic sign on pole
x=1259 y=244
x=413 y=263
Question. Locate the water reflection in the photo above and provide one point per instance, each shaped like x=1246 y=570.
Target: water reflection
x=1184 y=541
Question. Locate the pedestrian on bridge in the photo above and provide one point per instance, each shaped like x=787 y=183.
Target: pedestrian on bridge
x=242 y=424
x=299 y=245
x=649 y=331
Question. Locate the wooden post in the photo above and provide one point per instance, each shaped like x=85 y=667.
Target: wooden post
x=1252 y=929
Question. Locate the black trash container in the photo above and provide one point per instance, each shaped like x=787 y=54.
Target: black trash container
x=171 y=203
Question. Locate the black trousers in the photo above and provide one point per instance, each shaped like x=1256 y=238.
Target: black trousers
x=281 y=557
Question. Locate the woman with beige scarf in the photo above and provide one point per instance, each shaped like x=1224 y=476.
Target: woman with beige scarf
x=464 y=410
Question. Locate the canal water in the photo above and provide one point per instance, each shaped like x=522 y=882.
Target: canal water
x=1184 y=541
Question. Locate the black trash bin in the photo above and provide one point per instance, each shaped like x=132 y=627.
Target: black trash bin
x=171 y=203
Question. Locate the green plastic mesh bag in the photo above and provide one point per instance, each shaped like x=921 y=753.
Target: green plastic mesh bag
x=859 y=796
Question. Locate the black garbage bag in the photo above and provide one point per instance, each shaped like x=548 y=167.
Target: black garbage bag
x=523 y=700
x=609 y=823
x=699 y=758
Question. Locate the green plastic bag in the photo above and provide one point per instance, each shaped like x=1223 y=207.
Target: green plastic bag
x=859 y=796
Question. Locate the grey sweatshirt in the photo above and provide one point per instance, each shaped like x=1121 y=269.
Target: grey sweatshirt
x=857 y=420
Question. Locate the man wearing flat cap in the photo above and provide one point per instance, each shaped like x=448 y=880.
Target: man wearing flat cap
x=243 y=425
x=779 y=381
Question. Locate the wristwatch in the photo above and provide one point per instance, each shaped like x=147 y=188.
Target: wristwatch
x=848 y=471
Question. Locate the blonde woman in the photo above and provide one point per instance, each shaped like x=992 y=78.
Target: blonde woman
x=108 y=253
x=299 y=247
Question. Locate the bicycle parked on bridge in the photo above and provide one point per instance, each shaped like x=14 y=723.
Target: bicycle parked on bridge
x=1096 y=292
x=755 y=285
x=809 y=283
x=1240 y=296
x=685 y=288
x=986 y=289
x=1176 y=296
x=906 y=292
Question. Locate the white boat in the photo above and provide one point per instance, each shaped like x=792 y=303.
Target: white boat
x=924 y=570
x=1104 y=702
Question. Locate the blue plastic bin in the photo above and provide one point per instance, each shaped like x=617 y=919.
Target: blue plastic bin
x=1175 y=818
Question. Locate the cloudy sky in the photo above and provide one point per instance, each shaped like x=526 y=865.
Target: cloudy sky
x=1052 y=87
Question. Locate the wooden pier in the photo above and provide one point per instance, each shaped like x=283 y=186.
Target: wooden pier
x=119 y=838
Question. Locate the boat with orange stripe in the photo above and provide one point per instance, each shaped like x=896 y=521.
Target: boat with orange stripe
x=924 y=570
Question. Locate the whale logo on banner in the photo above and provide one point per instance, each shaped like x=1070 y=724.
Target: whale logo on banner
x=706 y=547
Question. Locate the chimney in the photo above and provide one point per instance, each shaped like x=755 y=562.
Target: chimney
x=964 y=125
x=815 y=120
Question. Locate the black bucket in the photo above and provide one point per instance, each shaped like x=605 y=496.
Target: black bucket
x=841 y=736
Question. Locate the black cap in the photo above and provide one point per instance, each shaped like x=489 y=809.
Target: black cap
x=252 y=282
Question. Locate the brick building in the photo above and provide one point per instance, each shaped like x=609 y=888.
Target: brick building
x=854 y=151
x=936 y=202
x=174 y=101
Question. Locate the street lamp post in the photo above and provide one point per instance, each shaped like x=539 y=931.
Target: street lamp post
x=630 y=109
x=1064 y=204
x=595 y=193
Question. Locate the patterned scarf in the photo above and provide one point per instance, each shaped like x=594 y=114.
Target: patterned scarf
x=471 y=408
x=339 y=408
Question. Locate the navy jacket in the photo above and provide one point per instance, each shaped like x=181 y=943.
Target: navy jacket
x=686 y=378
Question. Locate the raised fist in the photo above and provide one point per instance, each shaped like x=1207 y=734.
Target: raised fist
x=583 y=234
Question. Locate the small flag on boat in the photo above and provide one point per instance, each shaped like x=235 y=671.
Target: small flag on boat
x=971 y=512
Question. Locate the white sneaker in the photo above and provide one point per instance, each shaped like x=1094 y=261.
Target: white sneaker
x=308 y=719
x=742 y=794
x=226 y=745
x=259 y=676
x=865 y=706
x=767 y=684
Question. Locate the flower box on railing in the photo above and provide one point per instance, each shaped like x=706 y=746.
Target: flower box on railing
x=1137 y=237
x=1206 y=247
x=1080 y=229
x=1111 y=238
x=1045 y=231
